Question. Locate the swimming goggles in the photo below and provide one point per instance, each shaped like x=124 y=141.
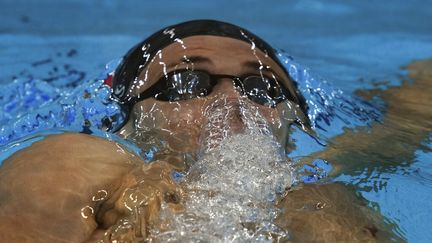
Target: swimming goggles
x=189 y=84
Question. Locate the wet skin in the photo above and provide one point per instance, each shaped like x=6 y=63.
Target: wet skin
x=72 y=187
x=217 y=55
x=407 y=123
x=48 y=190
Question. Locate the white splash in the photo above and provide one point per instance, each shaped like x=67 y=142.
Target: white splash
x=231 y=194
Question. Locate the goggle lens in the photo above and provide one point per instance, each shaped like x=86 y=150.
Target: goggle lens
x=188 y=84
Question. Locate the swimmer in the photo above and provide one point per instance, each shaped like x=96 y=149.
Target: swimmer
x=190 y=91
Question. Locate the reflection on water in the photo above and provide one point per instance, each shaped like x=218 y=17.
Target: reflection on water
x=405 y=128
x=224 y=193
x=388 y=162
x=377 y=159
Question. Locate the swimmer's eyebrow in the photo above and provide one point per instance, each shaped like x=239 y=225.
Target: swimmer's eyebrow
x=191 y=60
x=196 y=59
x=254 y=65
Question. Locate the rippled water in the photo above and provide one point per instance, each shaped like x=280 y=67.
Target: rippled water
x=353 y=45
x=231 y=190
x=32 y=105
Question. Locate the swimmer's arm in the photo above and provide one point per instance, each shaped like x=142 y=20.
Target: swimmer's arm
x=379 y=146
x=407 y=124
x=382 y=146
x=331 y=213
x=47 y=189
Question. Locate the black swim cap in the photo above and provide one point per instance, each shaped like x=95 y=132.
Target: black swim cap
x=137 y=58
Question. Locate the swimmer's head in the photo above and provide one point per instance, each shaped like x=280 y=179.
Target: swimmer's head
x=174 y=78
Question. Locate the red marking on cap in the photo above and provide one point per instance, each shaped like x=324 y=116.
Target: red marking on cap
x=108 y=80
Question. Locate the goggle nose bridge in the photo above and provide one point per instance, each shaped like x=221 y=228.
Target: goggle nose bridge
x=236 y=81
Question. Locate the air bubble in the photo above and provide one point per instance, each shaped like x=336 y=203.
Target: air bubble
x=231 y=192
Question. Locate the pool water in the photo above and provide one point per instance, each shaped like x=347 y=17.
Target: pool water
x=53 y=63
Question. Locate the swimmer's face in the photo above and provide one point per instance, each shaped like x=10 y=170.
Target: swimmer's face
x=185 y=116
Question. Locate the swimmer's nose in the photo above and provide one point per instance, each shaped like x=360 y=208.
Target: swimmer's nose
x=222 y=115
x=227 y=88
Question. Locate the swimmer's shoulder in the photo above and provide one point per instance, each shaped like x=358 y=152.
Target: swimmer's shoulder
x=77 y=147
x=45 y=187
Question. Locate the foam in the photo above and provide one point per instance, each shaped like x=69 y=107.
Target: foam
x=231 y=186
x=231 y=193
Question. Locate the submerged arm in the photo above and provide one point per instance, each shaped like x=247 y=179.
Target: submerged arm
x=406 y=126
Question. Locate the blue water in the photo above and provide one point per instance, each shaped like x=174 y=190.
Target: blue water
x=57 y=55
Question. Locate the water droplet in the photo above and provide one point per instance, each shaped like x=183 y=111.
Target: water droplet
x=87 y=212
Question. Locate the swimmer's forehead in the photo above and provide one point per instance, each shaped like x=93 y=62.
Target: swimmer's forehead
x=215 y=54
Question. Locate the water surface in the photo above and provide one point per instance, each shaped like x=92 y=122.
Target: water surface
x=54 y=53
